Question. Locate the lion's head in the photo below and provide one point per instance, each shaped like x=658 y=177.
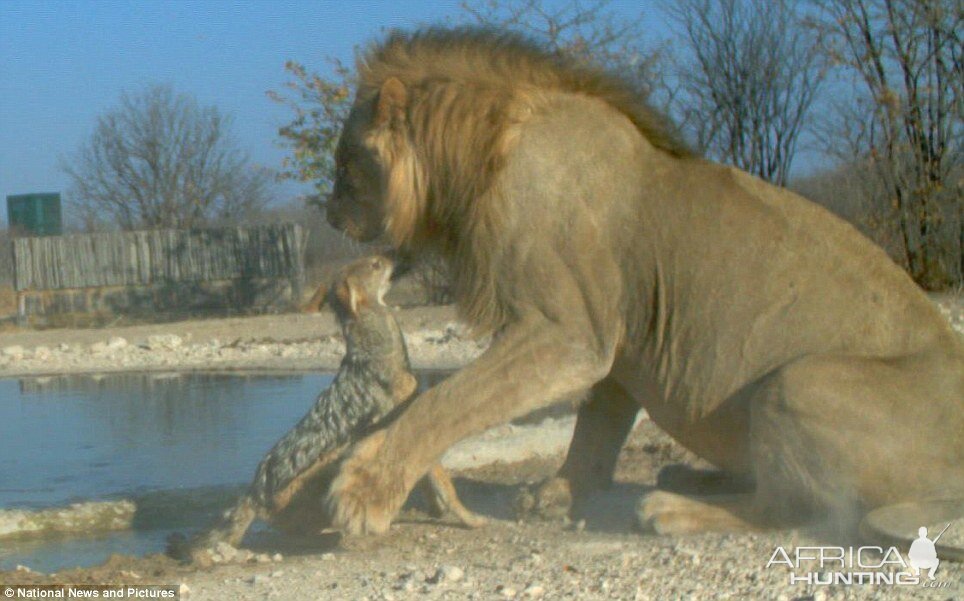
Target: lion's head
x=436 y=115
x=375 y=191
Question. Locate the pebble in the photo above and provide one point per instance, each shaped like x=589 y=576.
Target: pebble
x=277 y=557
x=448 y=574
x=259 y=579
x=534 y=591
x=262 y=558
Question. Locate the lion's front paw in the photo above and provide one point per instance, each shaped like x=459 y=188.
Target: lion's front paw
x=366 y=494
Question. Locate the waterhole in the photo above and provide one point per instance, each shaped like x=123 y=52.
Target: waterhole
x=180 y=445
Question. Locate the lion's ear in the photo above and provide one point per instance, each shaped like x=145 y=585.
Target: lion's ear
x=392 y=99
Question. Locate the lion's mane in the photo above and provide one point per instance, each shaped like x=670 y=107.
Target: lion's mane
x=466 y=89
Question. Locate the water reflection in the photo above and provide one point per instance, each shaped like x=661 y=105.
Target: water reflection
x=71 y=438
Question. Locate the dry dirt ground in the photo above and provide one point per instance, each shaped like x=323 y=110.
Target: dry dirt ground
x=598 y=557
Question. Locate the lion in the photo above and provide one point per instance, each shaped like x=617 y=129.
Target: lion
x=759 y=330
x=375 y=377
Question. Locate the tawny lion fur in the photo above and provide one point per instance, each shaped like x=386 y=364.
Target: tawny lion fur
x=759 y=330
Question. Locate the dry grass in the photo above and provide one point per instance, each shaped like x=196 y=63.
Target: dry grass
x=8 y=309
x=8 y=300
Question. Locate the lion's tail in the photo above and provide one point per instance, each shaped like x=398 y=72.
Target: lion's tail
x=897 y=524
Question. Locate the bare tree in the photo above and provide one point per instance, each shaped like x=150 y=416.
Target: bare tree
x=749 y=76
x=905 y=61
x=588 y=31
x=160 y=160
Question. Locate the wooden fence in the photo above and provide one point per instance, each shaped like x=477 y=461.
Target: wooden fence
x=146 y=269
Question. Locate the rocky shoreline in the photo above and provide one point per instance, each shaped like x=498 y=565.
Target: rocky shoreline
x=255 y=344
x=274 y=343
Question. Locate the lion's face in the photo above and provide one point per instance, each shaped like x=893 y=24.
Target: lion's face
x=357 y=202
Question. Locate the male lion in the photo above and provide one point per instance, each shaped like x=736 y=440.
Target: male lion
x=760 y=331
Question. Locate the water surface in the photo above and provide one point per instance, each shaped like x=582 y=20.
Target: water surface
x=166 y=438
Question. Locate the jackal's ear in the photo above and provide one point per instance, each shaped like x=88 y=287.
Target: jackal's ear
x=392 y=99
x=347 y=295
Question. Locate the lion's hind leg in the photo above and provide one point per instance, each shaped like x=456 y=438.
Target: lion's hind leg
x=665 y=512
x=828 y=437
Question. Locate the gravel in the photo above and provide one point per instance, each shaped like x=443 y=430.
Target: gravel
x=499 y=563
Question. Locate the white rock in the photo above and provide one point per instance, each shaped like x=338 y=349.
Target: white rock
x=534 y=591
x=277 y=557
x=449 y=574
x=41 y=353
x=226 y=551
x=116 y=343
x=184 y=590
x=164 y=342
x=14 y=352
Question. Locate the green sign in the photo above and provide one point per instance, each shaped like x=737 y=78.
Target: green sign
x=35 y=214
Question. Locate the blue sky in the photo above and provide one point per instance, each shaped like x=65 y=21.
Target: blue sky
x=63 y=63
